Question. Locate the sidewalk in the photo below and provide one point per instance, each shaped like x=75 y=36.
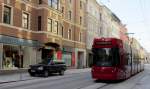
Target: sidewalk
x=25 y=76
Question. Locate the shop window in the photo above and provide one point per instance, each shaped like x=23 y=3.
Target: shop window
x=11 y=57
x=67 y=57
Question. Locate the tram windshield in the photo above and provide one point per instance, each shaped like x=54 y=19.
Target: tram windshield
x=105 y=56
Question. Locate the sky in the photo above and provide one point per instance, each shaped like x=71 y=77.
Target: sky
x=136 y=15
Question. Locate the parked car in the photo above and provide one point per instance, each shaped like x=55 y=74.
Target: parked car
x=45 y=69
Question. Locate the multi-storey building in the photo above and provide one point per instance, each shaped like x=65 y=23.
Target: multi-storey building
x=111 y=24
x=93 y=24
x=18 y=33
x=116 y=24
x=74 y=33
x=32 y=30
x=123 y=33
x=106 y=19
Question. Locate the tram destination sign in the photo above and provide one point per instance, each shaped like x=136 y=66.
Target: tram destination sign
x=103 y=43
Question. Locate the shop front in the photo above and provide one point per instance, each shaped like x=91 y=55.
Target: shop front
x=81 y=58
x=68 y=55
x=17 y=53
x=51 y=51
x=89 y=58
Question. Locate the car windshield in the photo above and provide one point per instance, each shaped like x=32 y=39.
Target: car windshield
x=52 y=62
x=105 y=56
x=44 y=62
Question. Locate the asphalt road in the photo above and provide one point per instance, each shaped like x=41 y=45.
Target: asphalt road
x=82 y=81
x=71 y=81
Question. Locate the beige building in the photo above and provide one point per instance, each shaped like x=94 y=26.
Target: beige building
x=74 y=32
x=30 y=30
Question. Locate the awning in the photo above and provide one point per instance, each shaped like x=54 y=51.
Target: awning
x=55 y=45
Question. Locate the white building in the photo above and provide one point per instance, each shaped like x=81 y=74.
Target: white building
x=93 y=24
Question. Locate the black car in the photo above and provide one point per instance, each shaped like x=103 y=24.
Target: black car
x=46 y=68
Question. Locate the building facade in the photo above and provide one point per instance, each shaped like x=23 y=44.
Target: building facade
x=74 y=33
x=116 y=24
x=123 y=33
x=18 y=37
x=33 y=30
x=93 y=24
x=111 y=24
x=106 y=22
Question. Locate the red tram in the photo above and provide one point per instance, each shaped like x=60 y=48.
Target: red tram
x=114 y=60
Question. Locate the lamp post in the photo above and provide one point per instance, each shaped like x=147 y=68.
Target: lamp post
x=131 y=41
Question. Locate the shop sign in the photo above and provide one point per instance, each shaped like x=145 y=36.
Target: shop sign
x=18 y=41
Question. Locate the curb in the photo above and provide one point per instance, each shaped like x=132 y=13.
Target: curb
x=70 y=71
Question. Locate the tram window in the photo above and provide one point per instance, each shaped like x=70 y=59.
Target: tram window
x=106 y=56
x=116 y=55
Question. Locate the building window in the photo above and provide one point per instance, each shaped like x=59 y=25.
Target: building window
x=40 y=1
x=53 y=3
x=69 y=34
x=62 y=10
x=50 y=3
x=56 y=27
x=7 y=15
x=70 y=15
x=80 y=37
x=8 y=1
x=49 y=25
x=25 y=20
x=70 y=1
x=39 y=23
x=80 y=4
x=80 y=20
x=62 y=32
x=26 y=0
x=100 y=16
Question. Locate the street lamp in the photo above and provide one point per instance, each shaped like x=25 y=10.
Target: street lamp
x=131 y=41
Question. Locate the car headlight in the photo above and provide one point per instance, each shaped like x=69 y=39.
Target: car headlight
x=40 y=68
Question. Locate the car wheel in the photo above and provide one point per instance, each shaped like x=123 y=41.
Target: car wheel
x=46 y=73
x=61 y=72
